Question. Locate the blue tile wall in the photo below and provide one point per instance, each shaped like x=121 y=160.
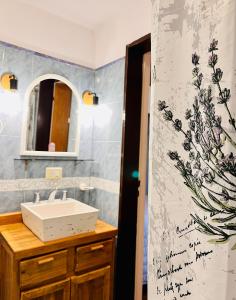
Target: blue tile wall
x=107 y=136
x=10 y=201
x=100 y=129
x=108 y=205
x=27 y=66
x=109 y=86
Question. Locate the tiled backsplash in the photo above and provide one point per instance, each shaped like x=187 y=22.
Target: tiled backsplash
x=100 y=134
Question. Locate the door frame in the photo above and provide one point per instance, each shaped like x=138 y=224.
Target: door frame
x=129 y=181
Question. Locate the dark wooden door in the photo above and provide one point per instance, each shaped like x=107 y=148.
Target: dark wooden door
x=94 y=285
x=129 y=182
x=44 y=114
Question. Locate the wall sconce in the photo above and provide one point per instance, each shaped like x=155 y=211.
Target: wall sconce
x=89 y=98
x=9 y=82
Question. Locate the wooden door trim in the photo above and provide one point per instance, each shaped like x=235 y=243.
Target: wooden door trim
x=143 y=156
x=127 y=224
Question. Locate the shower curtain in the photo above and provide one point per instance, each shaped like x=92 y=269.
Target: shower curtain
x=192 y=210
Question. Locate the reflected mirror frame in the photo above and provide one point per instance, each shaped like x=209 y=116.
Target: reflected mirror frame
x=24 y=151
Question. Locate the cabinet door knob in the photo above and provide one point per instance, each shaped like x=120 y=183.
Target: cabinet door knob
x=45 y=261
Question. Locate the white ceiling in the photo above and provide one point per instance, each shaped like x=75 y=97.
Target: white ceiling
x=88 y=13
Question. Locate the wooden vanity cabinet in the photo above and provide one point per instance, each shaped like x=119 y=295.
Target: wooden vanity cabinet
x=92 y=285
x=74 y=268
x=56 y=291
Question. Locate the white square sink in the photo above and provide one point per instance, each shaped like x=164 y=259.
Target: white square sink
x=50 y=220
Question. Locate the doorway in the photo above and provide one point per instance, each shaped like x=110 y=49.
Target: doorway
x=127 y=276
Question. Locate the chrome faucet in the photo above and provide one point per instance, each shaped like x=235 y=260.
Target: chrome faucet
x=52 y=195
x=37 y=197
x=64 y=196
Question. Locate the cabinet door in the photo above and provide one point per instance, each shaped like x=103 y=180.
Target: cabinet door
x=55 y=291
x=94 y=285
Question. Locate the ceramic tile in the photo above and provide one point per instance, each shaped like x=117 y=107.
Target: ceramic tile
x=83 y=196
x=10 y=201
x=107 y=157
x=9 y=151
x=109 y=81
x=108 y=122
x=20 y=169
x=85 y=149
x=37 y=168
x=106 y=185
x=66 y=182
x=108 y=204
x=19 y=62
x=74 y=168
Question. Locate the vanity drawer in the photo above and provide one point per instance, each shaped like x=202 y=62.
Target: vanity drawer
x=89 y=257
x=40 y=269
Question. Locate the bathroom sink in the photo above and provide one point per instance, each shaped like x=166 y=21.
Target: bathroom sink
x=51 y=220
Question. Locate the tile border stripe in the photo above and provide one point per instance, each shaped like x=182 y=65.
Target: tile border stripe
x=17 y=185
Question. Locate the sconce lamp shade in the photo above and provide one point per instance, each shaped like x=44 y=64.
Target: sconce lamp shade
x=90 y=98
x=9 y=82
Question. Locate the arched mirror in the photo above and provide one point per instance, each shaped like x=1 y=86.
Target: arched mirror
x=51 y=120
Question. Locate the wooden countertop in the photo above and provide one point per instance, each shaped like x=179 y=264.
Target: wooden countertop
x=23 y=243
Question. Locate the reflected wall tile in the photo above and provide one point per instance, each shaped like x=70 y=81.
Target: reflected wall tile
x=71 y=145
x=73 y=118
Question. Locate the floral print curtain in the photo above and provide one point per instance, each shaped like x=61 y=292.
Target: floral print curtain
x=192 y=212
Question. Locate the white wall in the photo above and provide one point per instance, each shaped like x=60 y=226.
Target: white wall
x=112 y=37
x=37 y=30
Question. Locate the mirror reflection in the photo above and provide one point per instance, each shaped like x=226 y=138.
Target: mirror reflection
x=52 y=117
